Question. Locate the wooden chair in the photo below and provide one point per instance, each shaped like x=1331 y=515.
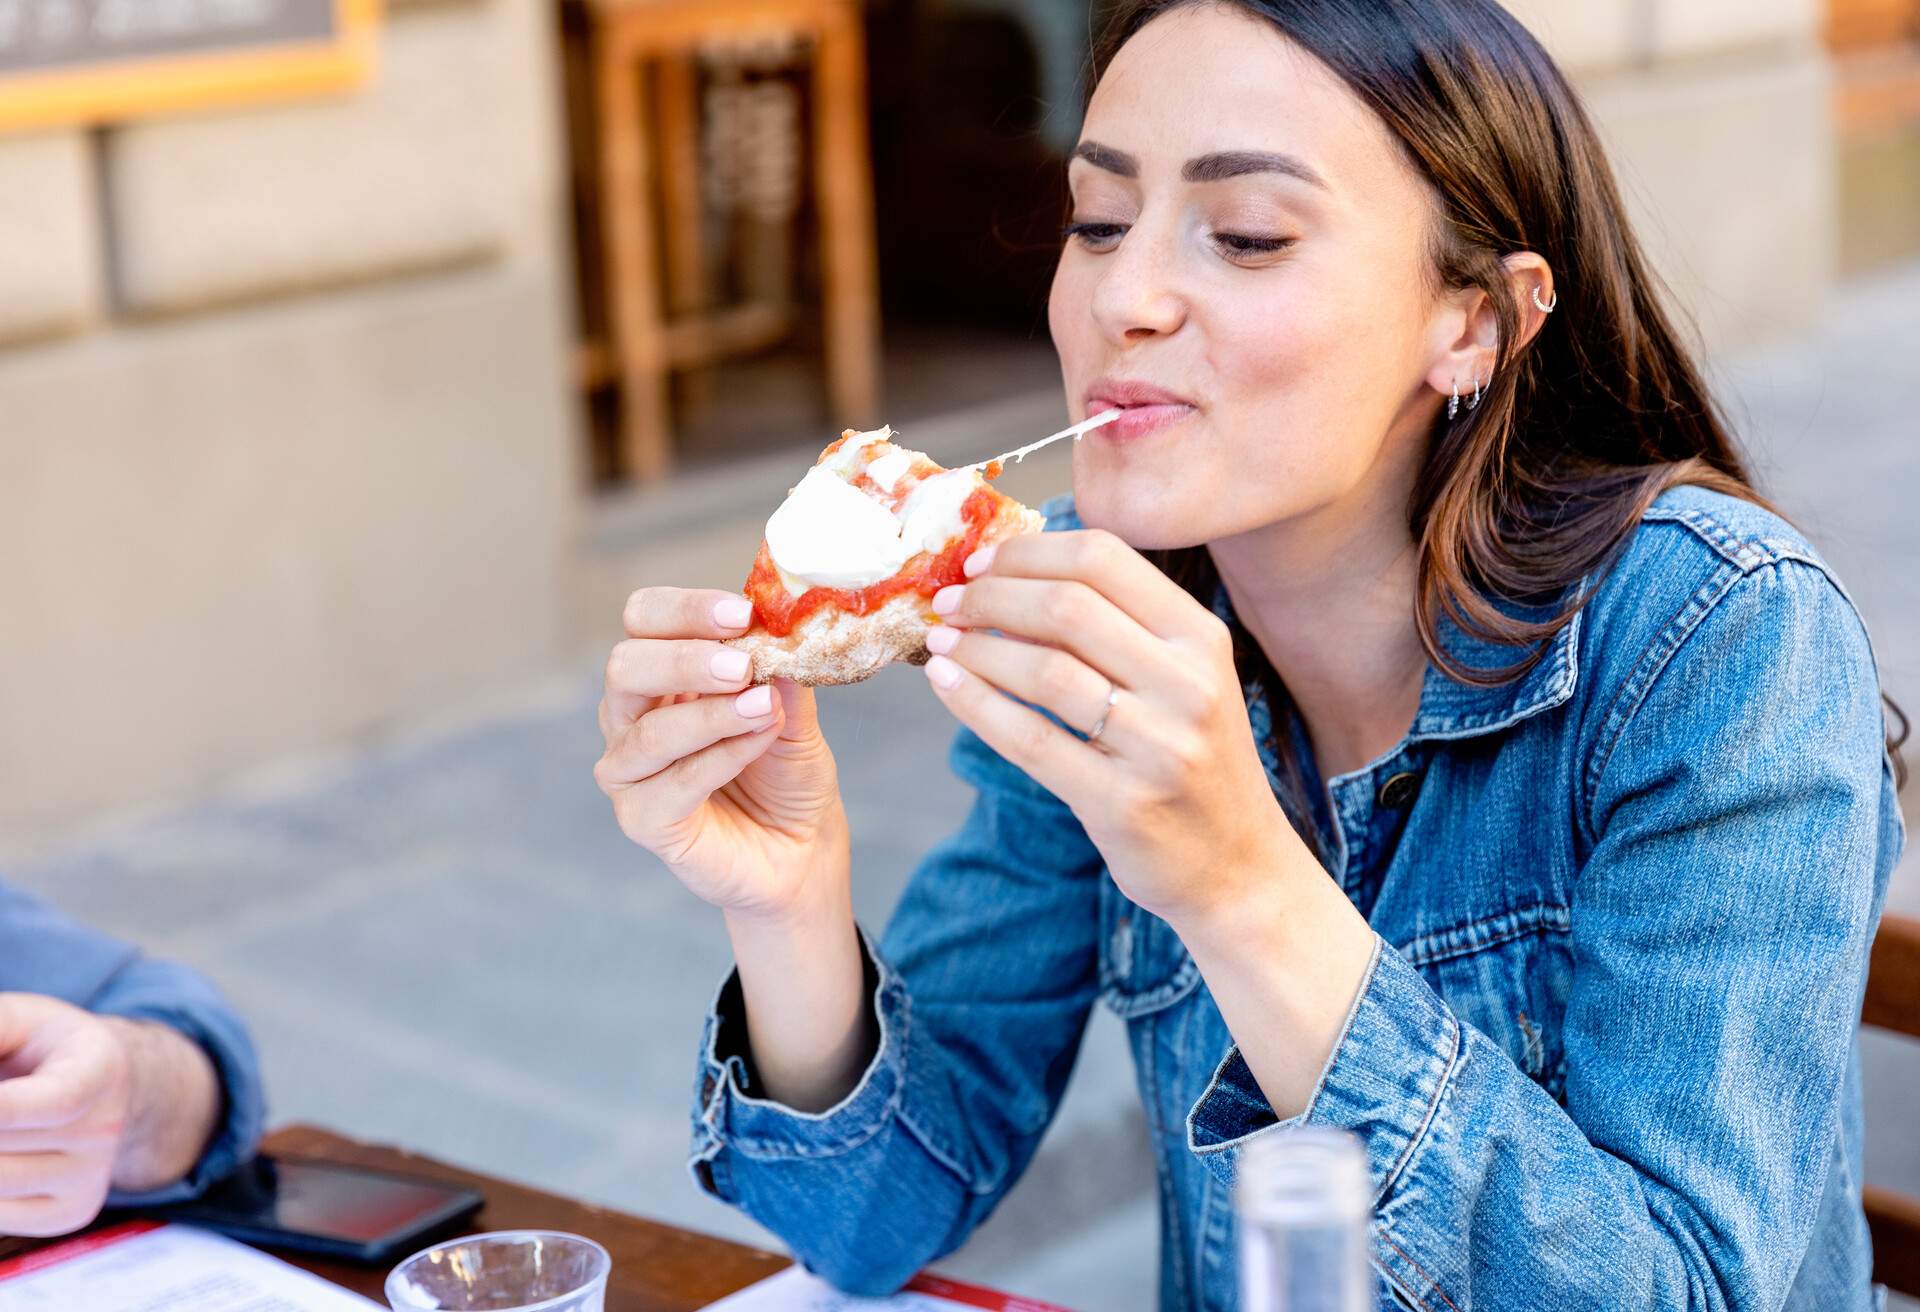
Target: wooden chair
x=653 y=329
x=1893 y=1003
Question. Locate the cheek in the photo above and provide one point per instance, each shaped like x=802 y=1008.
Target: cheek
x=1324 y=361
x=1290 y=370
x=1067 y=316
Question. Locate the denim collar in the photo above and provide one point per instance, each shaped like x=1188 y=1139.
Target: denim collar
x=1450 y=709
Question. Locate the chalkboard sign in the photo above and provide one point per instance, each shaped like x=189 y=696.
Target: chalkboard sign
x=91 y=61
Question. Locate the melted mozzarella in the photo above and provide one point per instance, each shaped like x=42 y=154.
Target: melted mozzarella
x=931 y=517
x=833 y=535
x=886 y=471
x=830 y=534
x=844 y=461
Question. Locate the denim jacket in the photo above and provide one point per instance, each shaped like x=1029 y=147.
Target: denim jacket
x=1603 y=1057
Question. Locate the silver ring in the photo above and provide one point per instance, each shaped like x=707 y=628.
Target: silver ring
x=1113 y=699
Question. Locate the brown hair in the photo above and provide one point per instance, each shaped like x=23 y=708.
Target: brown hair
x=1541 y=484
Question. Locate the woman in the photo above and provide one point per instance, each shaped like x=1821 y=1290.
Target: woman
x=1424 y=561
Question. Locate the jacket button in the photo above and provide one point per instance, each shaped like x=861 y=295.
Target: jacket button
x=1400 y=790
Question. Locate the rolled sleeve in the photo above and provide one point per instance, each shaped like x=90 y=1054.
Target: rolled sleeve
x=186 y=1002
x=45 y=951
x=1387 y=1074
x=980 y=993
x=729 y=1114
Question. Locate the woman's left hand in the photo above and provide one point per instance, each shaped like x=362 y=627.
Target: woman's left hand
x=1172 y=791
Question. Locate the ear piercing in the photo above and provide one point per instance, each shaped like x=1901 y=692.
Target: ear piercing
x=1473 y=402
x=1545 y=307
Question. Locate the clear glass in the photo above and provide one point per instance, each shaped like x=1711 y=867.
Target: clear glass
x=1301 y=1203
x=505 y=1271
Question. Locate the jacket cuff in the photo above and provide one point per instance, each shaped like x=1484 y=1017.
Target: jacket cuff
x=243 y=1106
x=729 y=1113
x=1393 y=1060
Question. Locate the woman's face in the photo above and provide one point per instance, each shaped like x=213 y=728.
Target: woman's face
x=1252 y=281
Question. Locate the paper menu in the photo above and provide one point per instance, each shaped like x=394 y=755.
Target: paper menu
x=793 y=1290
x=145 y=1266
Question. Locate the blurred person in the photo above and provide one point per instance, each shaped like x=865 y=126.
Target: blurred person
x=122 y=1079
x=1415 y=723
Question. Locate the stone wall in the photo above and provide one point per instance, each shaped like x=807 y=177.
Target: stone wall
x=286 y=447
x=1717 y=115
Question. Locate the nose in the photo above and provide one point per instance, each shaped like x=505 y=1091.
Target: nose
x=1137 y=296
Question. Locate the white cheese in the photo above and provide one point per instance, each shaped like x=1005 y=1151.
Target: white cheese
x=931 y=517
x=887 y=470
x=842 y=462
x=833 y=535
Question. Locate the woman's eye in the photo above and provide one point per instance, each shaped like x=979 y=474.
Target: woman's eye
x=1235 y=243
x=1095 y=236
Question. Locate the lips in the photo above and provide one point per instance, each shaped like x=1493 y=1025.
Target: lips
x=1149 y=408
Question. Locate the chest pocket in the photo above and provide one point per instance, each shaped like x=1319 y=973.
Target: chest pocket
x=1144 y=966
x=1508 y=976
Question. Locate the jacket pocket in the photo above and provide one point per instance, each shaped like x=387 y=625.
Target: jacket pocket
x=1508 y=976
x=1144 y=967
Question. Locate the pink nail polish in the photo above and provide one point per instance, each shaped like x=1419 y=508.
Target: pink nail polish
x=943 y=673
x=980 y=561
x=733 y=613
x=947 y=600
x=730 y=666
x=754 y=703
x=941 y=640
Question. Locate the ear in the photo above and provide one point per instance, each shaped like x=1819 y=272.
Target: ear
x=1468 y=329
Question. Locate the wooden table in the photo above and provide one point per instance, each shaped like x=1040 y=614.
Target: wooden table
x=656 y=1268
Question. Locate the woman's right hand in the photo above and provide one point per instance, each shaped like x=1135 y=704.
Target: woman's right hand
x=732 y=786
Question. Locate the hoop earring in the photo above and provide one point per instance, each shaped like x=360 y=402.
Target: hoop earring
x=1545 y=307
x=1474 y=404
x=1453 y=406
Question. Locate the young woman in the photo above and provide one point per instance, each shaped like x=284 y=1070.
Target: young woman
x=1443 y=741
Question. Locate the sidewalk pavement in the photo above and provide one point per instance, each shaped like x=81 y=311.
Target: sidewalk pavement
x=443 y=941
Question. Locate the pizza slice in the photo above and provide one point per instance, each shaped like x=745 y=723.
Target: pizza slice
x=845 y=578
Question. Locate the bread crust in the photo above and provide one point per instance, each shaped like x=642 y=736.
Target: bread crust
x=831 y=646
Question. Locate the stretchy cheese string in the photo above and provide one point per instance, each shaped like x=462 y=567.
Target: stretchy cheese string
x=1085 y=426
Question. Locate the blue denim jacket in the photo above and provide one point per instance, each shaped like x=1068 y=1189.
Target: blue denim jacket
x=1604 y=1056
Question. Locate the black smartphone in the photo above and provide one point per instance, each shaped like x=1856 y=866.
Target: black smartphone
x=326 y=1208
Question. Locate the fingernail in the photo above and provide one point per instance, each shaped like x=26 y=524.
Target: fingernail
x=730 y=666
x=733 y=613
x=947 y=600
x=754 y=703
x=941 y=640
x=980 y=561
x=944 y=673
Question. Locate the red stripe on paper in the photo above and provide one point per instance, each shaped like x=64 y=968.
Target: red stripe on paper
x=54 y=1254
x=974 y=1296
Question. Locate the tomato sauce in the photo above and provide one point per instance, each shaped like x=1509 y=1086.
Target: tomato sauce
x=778 y=611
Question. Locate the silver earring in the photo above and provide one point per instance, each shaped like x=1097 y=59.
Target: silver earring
x=1453 y=406
x=1474 y=404
x=1545 y=307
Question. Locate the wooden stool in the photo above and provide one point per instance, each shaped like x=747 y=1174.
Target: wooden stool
x=652 y=334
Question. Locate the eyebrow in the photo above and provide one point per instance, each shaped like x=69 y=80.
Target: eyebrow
x=1215 y=167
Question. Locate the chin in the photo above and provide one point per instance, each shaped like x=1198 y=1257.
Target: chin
x=1146 y=515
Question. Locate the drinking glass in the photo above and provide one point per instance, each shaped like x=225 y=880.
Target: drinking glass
x=1301 y=1203
x=505 y=1271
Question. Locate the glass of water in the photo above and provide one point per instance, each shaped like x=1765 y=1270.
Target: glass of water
x=1302 y=1206
x=505 y=1271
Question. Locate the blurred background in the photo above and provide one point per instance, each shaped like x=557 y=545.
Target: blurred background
x=355 y=365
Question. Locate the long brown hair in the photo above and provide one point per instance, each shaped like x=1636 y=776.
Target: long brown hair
x=1579 y=430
